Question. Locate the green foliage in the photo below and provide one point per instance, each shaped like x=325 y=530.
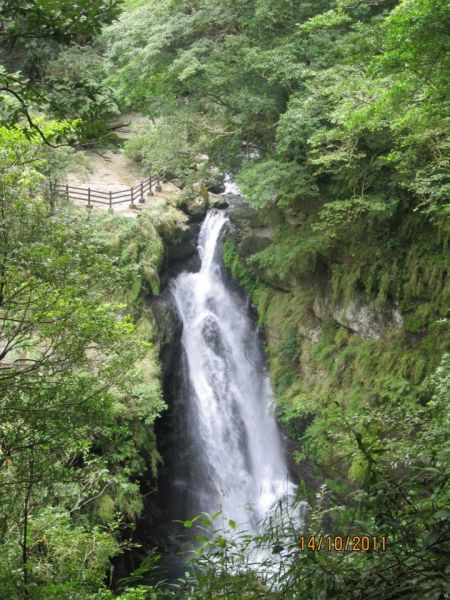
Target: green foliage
x=402 y=498
x=80 y=389
x=361 y=412
x=272 y=181
x=330 y=111
x=62 y=21
x=162 y=148
x=137 y=246
x=241 y=272
x=72 y=83
x=49 y=65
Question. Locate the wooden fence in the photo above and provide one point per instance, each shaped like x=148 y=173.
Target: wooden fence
x=91 y=197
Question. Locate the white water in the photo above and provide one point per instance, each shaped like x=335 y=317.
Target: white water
x=235 y=461
x=231 y=187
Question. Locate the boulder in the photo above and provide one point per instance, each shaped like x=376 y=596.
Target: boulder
x=183 y=244
x=195 y=207
x=216 y=201
x=245 y=218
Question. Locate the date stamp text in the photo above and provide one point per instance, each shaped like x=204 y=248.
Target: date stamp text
x=343 y=543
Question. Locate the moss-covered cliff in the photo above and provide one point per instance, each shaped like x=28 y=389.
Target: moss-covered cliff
x=339 y=354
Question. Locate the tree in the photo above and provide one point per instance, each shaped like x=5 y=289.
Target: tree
x=69 y=365
x=27 y=28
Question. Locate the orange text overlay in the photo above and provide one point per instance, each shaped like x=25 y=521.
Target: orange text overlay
x=346 y=543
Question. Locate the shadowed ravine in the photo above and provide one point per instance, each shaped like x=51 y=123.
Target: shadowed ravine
x=232 y=457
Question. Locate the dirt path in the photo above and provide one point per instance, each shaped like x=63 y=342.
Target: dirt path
x=113 y=171
x=109 y=171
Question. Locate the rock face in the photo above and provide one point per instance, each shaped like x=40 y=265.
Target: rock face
x=183 y=244
x=253 y=236
x=168 y=327
x=361 y=318
x=245 y=219
x=258 y=240
x=181 y=253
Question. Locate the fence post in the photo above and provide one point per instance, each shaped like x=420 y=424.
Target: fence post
x=110 y=201
x=158 y=183
x=132 y=205
x=67 y=192
x=142 y=199
x=52 y=189
x=150 y=192
x=89 y=205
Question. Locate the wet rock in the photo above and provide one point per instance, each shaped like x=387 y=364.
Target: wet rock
x=168 y=327
x=195 y=207
x=212 y=336
x=183 y=243
x=217 y=201
x=216 y=187
x=179 y=250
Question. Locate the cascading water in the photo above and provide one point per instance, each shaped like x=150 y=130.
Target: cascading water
x=232 y=457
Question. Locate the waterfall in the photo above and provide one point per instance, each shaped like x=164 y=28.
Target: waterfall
x=231 y=187
x=233 y=457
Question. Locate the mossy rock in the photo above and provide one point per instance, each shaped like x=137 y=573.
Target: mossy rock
x=245 y=218
x=182 y=250
x=195 y=202
x=195 y=207
x=168 y=326
x=359 y=316
x=166 y=321
x=274 y=279
x=251 y=244
x=217 y=201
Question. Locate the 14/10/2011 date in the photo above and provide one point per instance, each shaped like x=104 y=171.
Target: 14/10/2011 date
x=346 y=543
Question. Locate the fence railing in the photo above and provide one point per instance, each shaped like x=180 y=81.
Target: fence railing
x=91 y=196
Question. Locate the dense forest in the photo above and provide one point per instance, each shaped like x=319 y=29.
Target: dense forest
x=333 y=117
